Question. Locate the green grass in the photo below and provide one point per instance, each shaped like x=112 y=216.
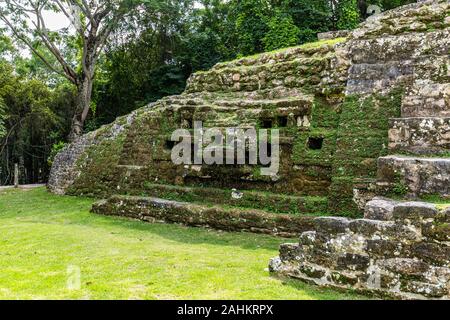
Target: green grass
x=42 y=235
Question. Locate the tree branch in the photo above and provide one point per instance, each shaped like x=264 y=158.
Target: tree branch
x=79 y=27
x=43 y=34
x=35 y=51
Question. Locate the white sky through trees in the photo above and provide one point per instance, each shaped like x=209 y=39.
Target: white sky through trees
x=56 y=21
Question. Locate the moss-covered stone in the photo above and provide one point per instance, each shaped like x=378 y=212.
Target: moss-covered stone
x=331 y=101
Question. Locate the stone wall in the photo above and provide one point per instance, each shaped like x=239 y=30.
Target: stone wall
x=404 y=254
x=417 y=176
x=420 y=135
x=400 y=249
x=297 y=91
x=74 y=160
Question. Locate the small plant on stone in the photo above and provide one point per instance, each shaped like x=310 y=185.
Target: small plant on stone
x=400 y=188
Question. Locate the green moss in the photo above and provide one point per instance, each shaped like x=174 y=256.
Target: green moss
x=96 y=178
x=270 y=202
x=362 y=137
x=307 y=47
x=324 y=121
x=400 y=188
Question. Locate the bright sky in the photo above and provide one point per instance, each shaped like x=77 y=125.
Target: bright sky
x=55 y=21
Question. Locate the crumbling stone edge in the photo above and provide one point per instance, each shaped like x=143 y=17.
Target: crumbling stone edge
x=153 y=210
x=406 y=257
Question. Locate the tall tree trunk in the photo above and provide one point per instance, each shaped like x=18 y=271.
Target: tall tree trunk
x=83 y=106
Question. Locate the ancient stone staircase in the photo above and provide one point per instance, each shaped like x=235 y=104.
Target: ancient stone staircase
x=425 y=124
x=220 y=217
x=420 y=142
x=293 y=68
x=273 y=90
x=401 y=248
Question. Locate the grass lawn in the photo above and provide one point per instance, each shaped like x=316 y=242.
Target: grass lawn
x=45 y=239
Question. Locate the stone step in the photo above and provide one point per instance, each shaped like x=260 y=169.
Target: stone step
x=232 y=111
x=414 y=176
x=366 y=77
x=420 y=135
x=291 y=74
x=387 y=209
x=406 y=22
x=427 y=100
x=377 y=75
x=229 y=103
x=263 y=94
x=274 y=202
x=223 y=218
x=300 y=52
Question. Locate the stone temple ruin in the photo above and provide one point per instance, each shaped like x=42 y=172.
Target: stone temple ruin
x=364 y=126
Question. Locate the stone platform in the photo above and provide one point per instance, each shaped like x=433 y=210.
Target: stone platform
x=418 y=176
x=218 y=217
x=405 y=255
x=401 y=249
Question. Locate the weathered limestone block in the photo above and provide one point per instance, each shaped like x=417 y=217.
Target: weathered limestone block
x=354 y=262
x=435 y=253
x=388 y=258
x=420 y=135
x=433 y=223
x=436 y=231
x=222 y=218
x=427 y=100
x=368 y=78
x=331 y=225
x=425 y=289
x=414 y=211
x=380 y=209
x=406 y=19
x=418 y=213
x=387 y=230
x=406 y=267
x=409 y=47
x=421 y=176
x=382 y=249
x=289 y=251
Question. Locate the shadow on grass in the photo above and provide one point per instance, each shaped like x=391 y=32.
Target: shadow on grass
x=199 y=235
x=39 y=206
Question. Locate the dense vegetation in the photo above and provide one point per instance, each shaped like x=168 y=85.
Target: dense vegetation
x=150 y=55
